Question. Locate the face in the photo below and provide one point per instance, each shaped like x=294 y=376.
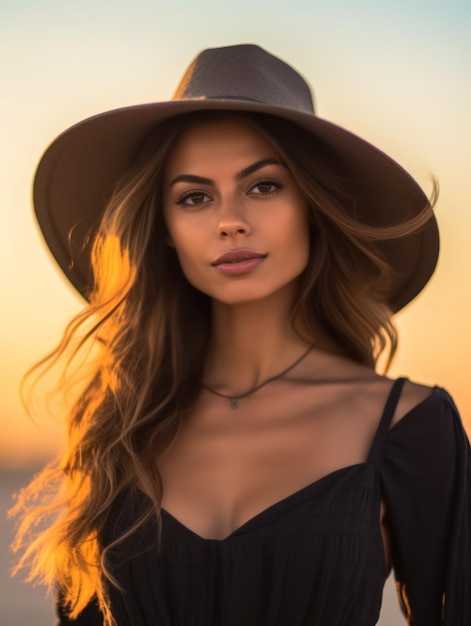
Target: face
x=235 y=215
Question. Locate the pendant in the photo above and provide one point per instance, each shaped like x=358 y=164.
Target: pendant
x=234 y=402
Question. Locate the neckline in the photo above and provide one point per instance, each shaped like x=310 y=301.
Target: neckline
x=299 y=493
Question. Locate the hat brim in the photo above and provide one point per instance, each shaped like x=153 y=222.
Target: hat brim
x=78 y=171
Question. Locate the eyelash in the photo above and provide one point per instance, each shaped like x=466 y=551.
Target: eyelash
x=267 y=181
x=182 y=200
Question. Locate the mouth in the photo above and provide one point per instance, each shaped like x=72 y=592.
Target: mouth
x=237 y=256
x=238 y=262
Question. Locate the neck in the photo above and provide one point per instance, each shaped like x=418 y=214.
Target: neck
x=250 y=343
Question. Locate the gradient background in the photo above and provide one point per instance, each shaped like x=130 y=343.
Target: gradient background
x=396 y=73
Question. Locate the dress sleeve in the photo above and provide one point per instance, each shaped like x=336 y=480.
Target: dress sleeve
x=425 y=472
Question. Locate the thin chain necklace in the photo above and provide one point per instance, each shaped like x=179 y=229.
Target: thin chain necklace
x=234 y=400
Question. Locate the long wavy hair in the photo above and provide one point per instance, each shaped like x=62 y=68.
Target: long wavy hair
x=144 y=351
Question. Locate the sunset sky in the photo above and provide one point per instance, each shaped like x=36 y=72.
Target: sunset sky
x=396 y=73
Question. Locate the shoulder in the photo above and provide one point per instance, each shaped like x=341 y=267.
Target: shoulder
x=412 y=398
x=422 y=415
x=426 y=430
x=360 y=387
x=419 y=402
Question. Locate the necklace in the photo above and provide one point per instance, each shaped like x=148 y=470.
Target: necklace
x=234 y=400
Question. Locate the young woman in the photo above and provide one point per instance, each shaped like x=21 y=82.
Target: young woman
x=234 y=458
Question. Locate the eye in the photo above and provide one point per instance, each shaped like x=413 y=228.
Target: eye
x=193 y=199
x=266 y=187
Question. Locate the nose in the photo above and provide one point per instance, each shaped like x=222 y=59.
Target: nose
x=232 y=222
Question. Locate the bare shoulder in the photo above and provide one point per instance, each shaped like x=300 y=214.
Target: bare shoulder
x=412 y=395
x=361 y=386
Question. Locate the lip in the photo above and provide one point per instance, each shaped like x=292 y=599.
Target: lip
x=239 y=261
x=238 y=256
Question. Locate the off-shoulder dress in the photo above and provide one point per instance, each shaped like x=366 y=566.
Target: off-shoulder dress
x=316 y=558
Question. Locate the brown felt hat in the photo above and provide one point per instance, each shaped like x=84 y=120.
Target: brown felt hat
x=79 y=169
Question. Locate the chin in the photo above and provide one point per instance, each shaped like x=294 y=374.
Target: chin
x=238 y=294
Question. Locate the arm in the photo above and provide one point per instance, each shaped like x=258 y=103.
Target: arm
x=425 y=470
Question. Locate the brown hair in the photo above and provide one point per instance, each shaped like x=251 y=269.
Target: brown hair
x=149 y=352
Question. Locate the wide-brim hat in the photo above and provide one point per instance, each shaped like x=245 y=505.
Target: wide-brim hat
x=78 y=171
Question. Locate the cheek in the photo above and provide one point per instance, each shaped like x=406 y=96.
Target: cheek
x=185 y=231
x=189 y=236
x=300 y=239
x=177 y=235
x=303 y=249
x=295 y=231
x=186 y=249
x=190 y=254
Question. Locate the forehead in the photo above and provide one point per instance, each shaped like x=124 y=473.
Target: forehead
x=232 y=142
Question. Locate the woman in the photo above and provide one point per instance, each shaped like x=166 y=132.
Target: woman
x=234 y=458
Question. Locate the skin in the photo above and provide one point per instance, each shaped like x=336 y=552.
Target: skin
x=252 y=202
x=226 y=467
x=264 y=212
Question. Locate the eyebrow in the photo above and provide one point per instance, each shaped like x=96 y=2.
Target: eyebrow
x=201 y=180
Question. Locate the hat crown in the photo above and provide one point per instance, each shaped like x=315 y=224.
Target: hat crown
x=245 y=72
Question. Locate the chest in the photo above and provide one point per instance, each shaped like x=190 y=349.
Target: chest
x=314 y=557
x=224 y=469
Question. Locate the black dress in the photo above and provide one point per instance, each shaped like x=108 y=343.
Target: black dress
x=316 y=558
